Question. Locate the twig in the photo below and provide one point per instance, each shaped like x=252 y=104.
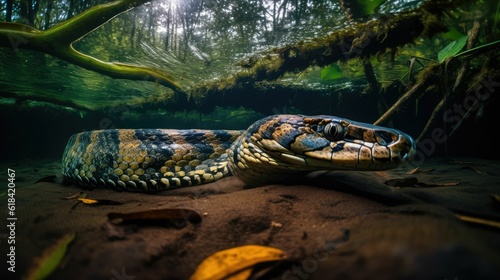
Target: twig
x=424 y=80
x=458 y=82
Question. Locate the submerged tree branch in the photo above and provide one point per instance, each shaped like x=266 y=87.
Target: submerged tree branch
x=57 y=41
x=359 y=41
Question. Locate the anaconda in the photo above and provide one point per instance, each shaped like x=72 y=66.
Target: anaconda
x=270 y=150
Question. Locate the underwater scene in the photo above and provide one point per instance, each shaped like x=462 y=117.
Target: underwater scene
x=249 y=139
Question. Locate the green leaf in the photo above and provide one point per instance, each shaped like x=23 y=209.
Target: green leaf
x=452 y=49
x=369 y=6
x=42 y=267
x=453 y=34
x=331 y=72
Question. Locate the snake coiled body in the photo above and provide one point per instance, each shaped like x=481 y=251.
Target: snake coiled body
x=270 y=150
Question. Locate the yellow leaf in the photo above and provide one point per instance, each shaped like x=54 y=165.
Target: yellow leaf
x=241 y=275
x=227 y=263
x=88 y=200
x=42 y=267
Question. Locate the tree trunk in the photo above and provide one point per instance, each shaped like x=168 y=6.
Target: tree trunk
x=132 y=31
x=8 y=12
x=48 y=11
x=24 y=12
x=167 y=27
x=33 y=11
x=71 y=9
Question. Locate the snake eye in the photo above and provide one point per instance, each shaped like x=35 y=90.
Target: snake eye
x=334 y=131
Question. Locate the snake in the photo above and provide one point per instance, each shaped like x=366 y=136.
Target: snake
x=271 y=150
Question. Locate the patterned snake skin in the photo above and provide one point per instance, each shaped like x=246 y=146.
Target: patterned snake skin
x=270 y=150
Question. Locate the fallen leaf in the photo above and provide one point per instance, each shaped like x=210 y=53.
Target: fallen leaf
x=233 y=261
x=381 y=173
x=87 y=200
x=181 y=214
x=98 y=201
x=92 y=201
x=45 y=265
x=241 y=275
x=413 y=171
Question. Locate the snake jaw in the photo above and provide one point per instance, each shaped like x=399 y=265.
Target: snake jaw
x=381 y=148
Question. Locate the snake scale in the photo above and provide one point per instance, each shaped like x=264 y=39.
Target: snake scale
x=270 y=150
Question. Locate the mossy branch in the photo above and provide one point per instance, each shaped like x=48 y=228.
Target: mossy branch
x=57 y=41
x=359 y=41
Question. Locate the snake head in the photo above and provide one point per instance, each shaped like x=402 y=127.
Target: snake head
x=349 y=145
x=284 y=144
